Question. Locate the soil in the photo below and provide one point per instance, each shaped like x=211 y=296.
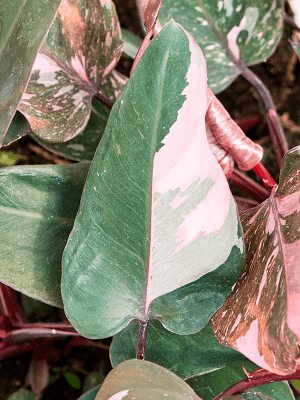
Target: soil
x=280 y=74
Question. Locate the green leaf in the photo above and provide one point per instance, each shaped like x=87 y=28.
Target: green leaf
x=18 y=128
x=131 y=43
x=81 y=49
x=8 y=158
x=24 y=24
x=152 y=215
x=210 y=385
x=144 y=380
x=72 y=380
x=91 y=394
x=185 y=355
x=261 y=318
x=93 y=379
x=83 y=146
x=23 y=394
x=229 y=32
x=38 y=205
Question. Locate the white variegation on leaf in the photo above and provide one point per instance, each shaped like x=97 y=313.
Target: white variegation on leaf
x=81 y=49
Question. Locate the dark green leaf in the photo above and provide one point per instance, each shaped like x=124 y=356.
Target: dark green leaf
x=91 y=394
x=185 y=355
x=38 y=205
x=23 y=394
x=261 y=318
x=152 y=215
x=228 y=32
x=23 y=26
x=18 y=128
x=93 y=379
x=81 y=49
x=210 y=385
x=72 y=380
x=131 y=43
x=140 y=380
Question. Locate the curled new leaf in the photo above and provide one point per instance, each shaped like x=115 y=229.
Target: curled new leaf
x=261 y=318
x=81 y=48
x=149 y=10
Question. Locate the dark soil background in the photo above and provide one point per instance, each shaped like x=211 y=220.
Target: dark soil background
x=280 y=74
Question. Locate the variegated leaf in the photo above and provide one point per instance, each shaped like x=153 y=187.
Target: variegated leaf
x=149 y=10
x=156 y=206
x=83 y=146
x=137 y=379
x=81 y=48
x=228 y=31
x=261 y=318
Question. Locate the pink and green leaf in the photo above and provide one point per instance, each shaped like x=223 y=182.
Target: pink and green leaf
x=81 y=49
x=24 y=24
x=261 y=318
x=149 y=10
x=155 y=207
x=144 y=380
x=228 y=32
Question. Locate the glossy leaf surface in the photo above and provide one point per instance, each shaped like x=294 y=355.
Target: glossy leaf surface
x=81 y=48
x=131 y=43
x=228 y=32
x=91 y=394
x=261 y=318
x=18 y=128
x=24 y=24
x=38 y=205
x=208 y=386
x=185 y=355
x=144 y=380
x=152 y=215
x=83 y=146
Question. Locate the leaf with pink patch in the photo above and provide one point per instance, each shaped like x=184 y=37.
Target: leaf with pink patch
x=156 y=206
x=81 y=49
x=149 y=10
x=261 y=318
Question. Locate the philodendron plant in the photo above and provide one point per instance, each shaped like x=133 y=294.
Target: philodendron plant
x=141 y=238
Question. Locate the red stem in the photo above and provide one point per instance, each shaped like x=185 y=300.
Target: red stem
x=11 y=306
x=262 y=172
x=257 y=378
x=249 y=186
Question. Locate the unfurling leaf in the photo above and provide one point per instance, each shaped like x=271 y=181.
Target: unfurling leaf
x=229 y=32
x=157 y=234
x=136 y=379
x=149 y=10
x=81 y=49
x=261 y=318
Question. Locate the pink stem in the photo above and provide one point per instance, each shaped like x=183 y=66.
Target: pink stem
x=256 y=378
x=262 y=172
x=10 y=305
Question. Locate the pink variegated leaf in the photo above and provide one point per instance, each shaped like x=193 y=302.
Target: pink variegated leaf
x=81 y=49
x=157 y=234
x=261 y=318
x=149 y=10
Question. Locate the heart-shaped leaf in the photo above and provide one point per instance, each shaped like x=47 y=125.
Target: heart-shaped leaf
x=185 y=355
x=83 y=146
x=156 y=206
x=81 y=48
x=229 y=32
x=38 y=205
x=144 y=380
x=24 y=24
x=261 y=318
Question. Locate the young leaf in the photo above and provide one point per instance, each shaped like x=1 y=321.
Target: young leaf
x=185 y=355
x=38 y=205
x=83 y=146
x=81 y=48
x=149 y=10
x=228 y=32
x=208 y=386
x=38 y=373
x=156 y=206
x=24 y=24
x=144 y=380
x=261 y=318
